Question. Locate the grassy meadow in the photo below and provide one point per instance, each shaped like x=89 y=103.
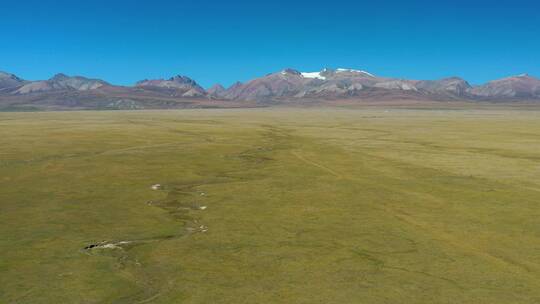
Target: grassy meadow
x=296 y=206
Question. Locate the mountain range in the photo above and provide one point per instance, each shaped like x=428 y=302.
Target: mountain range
x=288 y=86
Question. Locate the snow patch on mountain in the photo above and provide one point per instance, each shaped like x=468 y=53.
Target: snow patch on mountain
x=314 y=75
x=341 y=70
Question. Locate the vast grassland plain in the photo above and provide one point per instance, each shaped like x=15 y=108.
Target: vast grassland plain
x=270 y=206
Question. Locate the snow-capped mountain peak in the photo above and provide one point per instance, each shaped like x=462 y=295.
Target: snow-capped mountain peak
x=290 y=71
x=341 y=70
x=314 y=75
x=325 y=73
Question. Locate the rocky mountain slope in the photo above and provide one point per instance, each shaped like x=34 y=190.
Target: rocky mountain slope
x=59 y=82
x=216 y=91
x=521 y=86
x=8 y=81
x=177 y=86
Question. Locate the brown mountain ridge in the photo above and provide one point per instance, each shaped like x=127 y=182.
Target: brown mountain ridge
x=288 y=86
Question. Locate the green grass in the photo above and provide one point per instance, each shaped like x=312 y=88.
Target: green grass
x=304 y=206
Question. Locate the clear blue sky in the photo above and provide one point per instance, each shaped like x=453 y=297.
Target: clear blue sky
x=225 y=41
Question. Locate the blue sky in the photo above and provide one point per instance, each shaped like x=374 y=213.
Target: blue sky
x=225 y=41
